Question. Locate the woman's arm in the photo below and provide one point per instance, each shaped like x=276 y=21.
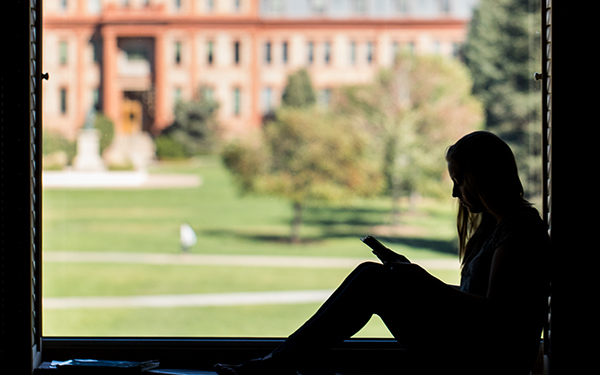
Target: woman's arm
x=517 y=272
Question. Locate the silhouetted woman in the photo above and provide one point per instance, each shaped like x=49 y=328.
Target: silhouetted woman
x=490 y=324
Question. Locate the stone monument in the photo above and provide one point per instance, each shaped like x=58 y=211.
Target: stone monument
x=88 y=147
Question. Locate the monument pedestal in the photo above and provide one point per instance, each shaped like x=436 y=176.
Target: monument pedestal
x=136 y=149
x=88 y=151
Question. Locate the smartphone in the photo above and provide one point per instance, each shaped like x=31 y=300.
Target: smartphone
x=383 y=253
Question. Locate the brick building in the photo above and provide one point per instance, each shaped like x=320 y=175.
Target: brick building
x=133 y=59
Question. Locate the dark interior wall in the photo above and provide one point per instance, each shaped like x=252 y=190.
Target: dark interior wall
x=575 y=188
x=18 y=340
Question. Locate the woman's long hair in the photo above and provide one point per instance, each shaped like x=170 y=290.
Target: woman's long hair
x=487 y=167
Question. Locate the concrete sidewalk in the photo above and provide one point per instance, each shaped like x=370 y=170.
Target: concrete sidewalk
x=229 y=260
x=117 y=180
x=187 y=300
x=208 y=299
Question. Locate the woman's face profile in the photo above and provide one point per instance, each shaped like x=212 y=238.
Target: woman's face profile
x=463 y=192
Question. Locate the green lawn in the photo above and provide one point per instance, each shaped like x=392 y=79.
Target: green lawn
x=147 y=221
x=241 y=321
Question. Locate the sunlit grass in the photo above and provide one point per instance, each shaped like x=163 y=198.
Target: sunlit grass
x=147 y=221
x=243 y=321
x=109 y=279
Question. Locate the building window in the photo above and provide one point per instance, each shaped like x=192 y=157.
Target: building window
x=268 y=52
x=207 y=93
x=284 y=52
x=94 y=6
x=63 y=5
x=456 y=49
x=401 y=6
x=370 y=52
x=237 y=5
x=178 y=53
x=267 y=100
x=437 y=47
x=274 y=6
x=444 y=6
x=327 y=53
x=236 y=52
x=96 y=97
x=63 y=100
x=354 y=50
x=177 y=95
x=237 y=101
x=63 y=52
x=311 y=52
x=177 y=4
x=210 y=5
x=318 y=6
x=324 y=97
x=210 y=47
x=359 y=7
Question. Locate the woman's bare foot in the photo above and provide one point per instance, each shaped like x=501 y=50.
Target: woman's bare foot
x=260 y=366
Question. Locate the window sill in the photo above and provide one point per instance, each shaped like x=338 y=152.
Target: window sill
x=373 y=356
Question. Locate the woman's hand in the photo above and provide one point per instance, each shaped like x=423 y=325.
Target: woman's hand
x=398 y=258
x=401 y=260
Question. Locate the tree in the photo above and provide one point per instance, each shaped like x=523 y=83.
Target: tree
x=299 y=91
x=304 y=155
x=195 y=127
x=416 y=109
x=502 y=52
x=106 y=129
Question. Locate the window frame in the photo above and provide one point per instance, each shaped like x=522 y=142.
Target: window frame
x=285 y=52
x=237 y=52
x=210 y=52
x=178 y=53
x=268 y=52
x=63 y=101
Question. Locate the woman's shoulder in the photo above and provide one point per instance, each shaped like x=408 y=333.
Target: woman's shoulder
x=527 y=215
x=522 y=224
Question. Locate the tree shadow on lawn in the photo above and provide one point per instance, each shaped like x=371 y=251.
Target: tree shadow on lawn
x=345 y=216
x=345 y=222
x=439 y=246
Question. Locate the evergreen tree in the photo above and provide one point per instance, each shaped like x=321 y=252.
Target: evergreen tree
x=502 y=51
x=195 y=127
x=299 y=91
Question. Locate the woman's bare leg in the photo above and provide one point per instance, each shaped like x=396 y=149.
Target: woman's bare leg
x=371 y=288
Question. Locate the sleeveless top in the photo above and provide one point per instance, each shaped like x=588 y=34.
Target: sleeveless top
x=516 y=325
x=524 y=226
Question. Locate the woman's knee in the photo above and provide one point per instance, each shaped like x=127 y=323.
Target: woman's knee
x=371 y=271
x=368 y=268
x=368 y=264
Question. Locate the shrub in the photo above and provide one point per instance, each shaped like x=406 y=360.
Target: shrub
x=53 y=144
x=106 y=128
x=168 y=148
x=195 y=126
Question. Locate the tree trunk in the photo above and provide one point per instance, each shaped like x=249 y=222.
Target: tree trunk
x=296 y=223
x=396 y=194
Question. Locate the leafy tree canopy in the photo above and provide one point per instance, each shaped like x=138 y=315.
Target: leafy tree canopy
x=304 y=155
x=502 y=51
x=415 y=110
